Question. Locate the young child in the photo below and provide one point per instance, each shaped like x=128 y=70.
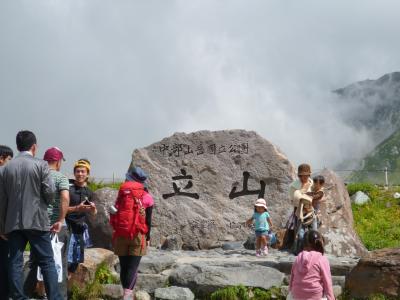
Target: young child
x=317 y=195
x=311 y=276
x=263 y=223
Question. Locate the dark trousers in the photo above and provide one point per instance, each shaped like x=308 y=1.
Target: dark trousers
x=31 y=279
x=40 y=243
x=3 y=270
x=129 y=270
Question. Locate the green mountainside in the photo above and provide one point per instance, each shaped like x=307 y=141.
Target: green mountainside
x=385 y=155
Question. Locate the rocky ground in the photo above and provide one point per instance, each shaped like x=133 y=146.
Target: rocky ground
x=205 y=271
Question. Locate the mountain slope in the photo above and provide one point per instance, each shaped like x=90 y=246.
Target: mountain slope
x=373 y=105
x=385 y=155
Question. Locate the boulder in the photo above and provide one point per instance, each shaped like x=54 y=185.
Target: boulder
x=206 y=277
x=360 y=198
x=173 y=293
x=205 y=184
x=99 y=226
x=151 y=282
x=172 y=242
x=86 y=270
x=376 y=273
x=112 y=291
x=156 y=262
x=142 y=295
x=337 y=219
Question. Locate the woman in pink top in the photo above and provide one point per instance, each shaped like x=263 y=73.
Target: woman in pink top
x=311 y=275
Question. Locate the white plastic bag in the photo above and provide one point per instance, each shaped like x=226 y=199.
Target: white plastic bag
x=57 y=247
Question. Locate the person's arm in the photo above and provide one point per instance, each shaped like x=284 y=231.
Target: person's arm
x=92 y=206
x=325 y=271
x=48 y=188
x=149 y=212
x=270 y=222
x=64 y=206
x=250 y=221
x=3 y=207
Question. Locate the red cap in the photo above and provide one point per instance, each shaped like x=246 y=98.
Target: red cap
x=53 y=154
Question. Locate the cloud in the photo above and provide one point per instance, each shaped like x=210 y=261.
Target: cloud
x=100 y=78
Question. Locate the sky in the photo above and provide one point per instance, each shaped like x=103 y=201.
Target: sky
x=101 y=78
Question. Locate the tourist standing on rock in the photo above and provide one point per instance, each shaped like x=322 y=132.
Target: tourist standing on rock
x=310 y=277
x=304 y=185
x=131 y=222
x=6 y=154
x=80 y=205
x=57 y=213
x=263 y=223
x=26 y=190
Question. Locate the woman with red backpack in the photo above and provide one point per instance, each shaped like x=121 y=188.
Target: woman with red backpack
x=131 y=221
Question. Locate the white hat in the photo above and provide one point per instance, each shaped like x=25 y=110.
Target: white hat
x=261 y=202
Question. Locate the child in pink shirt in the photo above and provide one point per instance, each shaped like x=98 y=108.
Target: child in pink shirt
x=311 y=275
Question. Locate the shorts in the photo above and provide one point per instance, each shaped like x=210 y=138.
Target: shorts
x=262 y=233
x=126 y=247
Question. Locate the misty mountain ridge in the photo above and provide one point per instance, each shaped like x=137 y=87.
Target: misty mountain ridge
x=373 y=105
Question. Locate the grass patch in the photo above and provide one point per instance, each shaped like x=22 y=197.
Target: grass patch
x=241 y=292
x=94 y=288
x=378 y=221
x=345 y=296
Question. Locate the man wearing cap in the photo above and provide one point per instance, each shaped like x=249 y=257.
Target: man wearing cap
x=26 y=190
x=57 y=212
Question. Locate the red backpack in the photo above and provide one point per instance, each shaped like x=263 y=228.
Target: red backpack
x=130 y=218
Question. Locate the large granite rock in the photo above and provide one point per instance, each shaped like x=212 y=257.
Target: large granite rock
x=197 y=181
x=206 y=277
x=337 y=219
x=209 y=167
x=86 y=270
x=99 y=226
x=173 y=293
x=377 y=273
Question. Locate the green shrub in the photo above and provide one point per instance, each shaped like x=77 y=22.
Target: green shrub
x=94 y=289
x=104 y=276
x=367 y=188
x=378 y=221
x=241 y=292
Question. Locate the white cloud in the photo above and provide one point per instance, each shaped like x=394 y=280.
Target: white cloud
x=99 y=78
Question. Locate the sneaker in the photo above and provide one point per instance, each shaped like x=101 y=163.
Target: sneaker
x=265 y=250
x=258 y=253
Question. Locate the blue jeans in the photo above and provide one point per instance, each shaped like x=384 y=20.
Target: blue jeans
x=40 y=243
x=3 y=269
x=31 y=279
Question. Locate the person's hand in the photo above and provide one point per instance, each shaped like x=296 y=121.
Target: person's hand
x=92 y=208
x=148 y=243
x=56 y=227
x=248 y=223
x=83 y=207
x=3 y=237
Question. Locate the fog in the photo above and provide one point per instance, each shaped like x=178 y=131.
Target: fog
x=101 y=78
